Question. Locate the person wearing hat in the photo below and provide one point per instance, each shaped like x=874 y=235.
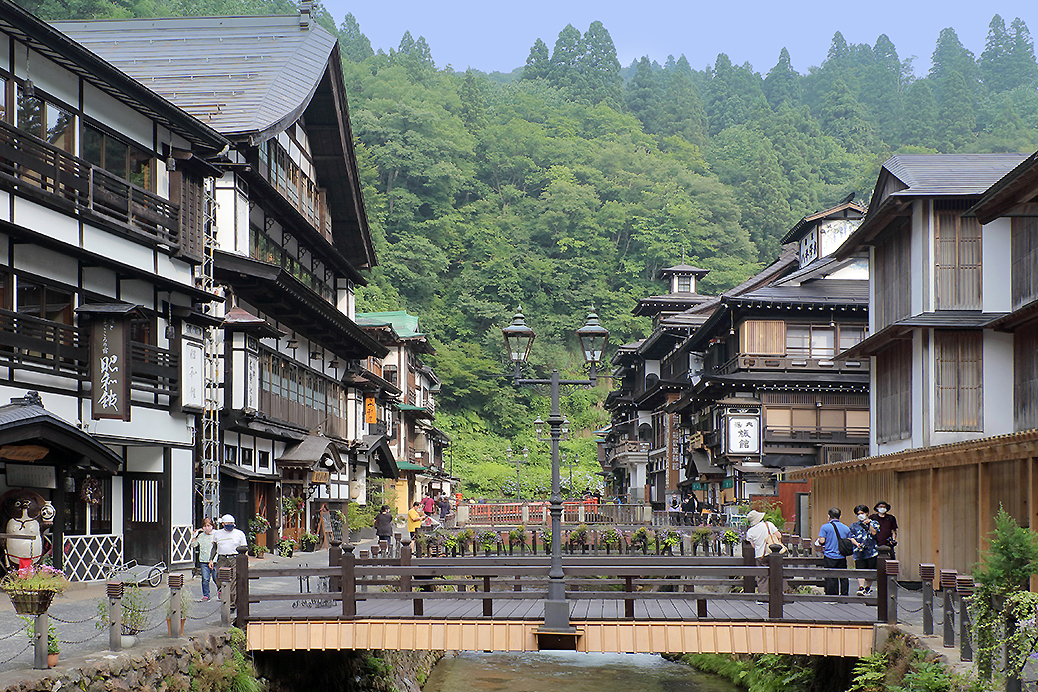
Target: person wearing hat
x=227 y=541
x=761 y=534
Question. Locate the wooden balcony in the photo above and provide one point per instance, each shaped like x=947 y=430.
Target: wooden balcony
x=818 y=435
x=36 y=345
x=301 y=415
x=30 y=167
x=791 y=364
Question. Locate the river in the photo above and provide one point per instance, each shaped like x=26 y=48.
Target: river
x=567 y=671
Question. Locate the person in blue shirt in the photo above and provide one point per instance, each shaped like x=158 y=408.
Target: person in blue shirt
x=863 y=535
x=831 y=557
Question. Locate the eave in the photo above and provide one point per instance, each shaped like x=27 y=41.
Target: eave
x=1013 y=195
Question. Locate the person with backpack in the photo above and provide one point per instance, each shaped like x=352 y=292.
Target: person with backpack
x=834 y=538
x=863 y=535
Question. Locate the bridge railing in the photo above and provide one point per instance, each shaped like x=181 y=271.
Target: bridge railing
x=629 y=578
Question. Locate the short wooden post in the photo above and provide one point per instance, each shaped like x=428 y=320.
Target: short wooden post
x=893 y=568
x=114 y=589
x=749 y=559
x=348 y=581
x=335 y=560
x=775 y=595
x=39 y=641
x=927 y=572
x=964 y=585
x=241 y=587
x=629 y=602
x=176 y=584
x=223 y=578
x=488 y=603
x=405 y=579
x=948 y=589
x=881 y=584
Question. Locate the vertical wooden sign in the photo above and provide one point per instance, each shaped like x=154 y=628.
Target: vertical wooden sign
x=109 y=369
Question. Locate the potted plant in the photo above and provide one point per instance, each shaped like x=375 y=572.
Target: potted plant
x=258 y=526
x=53 y=646
x=258 y=551
x=286 y=546
x=308 y=541
x=32 y=589
x=136 y=614
x=611 y=539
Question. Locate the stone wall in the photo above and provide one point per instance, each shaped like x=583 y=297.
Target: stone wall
x=366 y=671
x=167 y=668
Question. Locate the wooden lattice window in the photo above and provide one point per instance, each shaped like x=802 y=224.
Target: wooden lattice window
x=1025 y=260
x=894 y=392
x=763 y=338
x=893 y=284
x=959 y=381
x=958 y=266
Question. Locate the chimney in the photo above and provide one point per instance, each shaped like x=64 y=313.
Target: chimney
x=305 y=10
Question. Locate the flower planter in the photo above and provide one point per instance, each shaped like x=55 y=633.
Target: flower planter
x=126 y=641
x=52 y=660
x=31 y=602
x=169 y=626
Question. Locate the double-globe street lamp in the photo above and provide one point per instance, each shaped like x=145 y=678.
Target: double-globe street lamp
x=518 y=460
x=518 y=341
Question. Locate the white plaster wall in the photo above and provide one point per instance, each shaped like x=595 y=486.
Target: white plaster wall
x=241 y=223
x=118 y=116
x=652 y=367
x=144 y=459
x=225 y=213
x=120 y=249
x=42 y=220
x=61 y=405
x=47 y=76
x=174 y=269
x=117 y=503
x=997 y=264
x=46 y=263
x=181 y=487
x=146 y=424
x=137 y=292
x=998 y=382
x=5 y=203
x=99 y=280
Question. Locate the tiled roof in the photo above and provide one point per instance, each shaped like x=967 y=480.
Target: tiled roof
x=949 y=174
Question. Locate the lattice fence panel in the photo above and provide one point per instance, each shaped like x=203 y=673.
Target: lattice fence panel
x=88 y=557
x=179 y=548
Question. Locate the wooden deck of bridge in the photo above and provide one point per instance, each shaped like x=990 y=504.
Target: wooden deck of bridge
x=499 y=606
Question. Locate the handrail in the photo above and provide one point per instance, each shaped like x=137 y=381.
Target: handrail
x=36 y=168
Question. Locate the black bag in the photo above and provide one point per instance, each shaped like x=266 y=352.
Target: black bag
x=844 y=545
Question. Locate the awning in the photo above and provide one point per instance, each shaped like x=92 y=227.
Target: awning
x=31 y=433
x=408 y=466
x=247 y=474
x=704 y=463
x=309 y=453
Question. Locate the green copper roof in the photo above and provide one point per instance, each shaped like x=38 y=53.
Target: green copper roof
x=408 y=466
x=405 y=325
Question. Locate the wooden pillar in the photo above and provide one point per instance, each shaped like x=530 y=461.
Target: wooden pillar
x=1031 y=494
x=935 y=516
x=983 y=509
x=348 y=581
x=241 y=581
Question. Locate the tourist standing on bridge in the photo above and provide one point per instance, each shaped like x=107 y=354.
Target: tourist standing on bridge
x=384 y=526
x=227 y=541
x=887 y=534
x=414 y=519
x=761 y=534
x=828 y=536
x=863 y=535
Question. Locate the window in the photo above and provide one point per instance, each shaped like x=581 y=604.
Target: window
x=1025 y=260
x=763 y=338
x=684 y=284
x=45 y=302
x=230 y=454
x=894 y=392
x=1025 y=377
x=126 y=161
x=246 y=457
x=810 y=341
x=893 y=282
x=959 y=380
x=46 y=120
x=264 y=460
x=958 y=267
x=850 y=336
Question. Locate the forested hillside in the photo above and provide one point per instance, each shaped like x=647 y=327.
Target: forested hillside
x=571 y=181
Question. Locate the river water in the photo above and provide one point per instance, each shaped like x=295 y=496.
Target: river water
x=568 y=671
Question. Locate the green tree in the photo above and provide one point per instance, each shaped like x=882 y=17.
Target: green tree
x=537 y=63
x=681 y=112
x=564 y=67
x=782 y=85
x=997 y=48
x=600 y=68
x=919 y=122
x=643 y=96
x=844 y=118
x=1023 y=72
x=354 y=45
x=951 y=58
x=734 y=96
x=956 y=118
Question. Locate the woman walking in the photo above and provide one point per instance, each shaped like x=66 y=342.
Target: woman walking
x=203 y=538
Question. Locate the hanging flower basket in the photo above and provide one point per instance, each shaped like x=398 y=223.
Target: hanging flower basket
x=31 y=602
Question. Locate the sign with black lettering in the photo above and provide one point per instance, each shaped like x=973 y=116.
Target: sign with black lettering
x=109 y=368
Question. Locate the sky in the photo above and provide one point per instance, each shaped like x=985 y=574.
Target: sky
x=489 y=36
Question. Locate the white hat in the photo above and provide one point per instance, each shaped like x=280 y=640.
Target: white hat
x=227 y=519
x=754 y=517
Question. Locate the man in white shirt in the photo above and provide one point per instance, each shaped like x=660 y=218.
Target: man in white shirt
x=227 y=541
x=761 y=534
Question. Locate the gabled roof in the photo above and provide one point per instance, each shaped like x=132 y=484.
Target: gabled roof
x=843 y=210
x=238 y=75
x=905 y=177
x=25 y=421
x=1016 y=188
x=405 y=325
x=682 y=269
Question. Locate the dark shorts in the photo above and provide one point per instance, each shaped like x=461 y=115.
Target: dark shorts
x=866 y=562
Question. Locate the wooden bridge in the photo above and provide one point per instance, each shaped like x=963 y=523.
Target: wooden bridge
x=626 y=603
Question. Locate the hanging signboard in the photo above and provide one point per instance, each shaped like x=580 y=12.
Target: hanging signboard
x=26 y=476
x=727 y=483
x=109 y=369
x=370 y=410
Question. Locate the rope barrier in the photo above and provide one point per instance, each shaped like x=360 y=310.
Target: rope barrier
x=203 y=617
x=8 y=636
x=6 y=661
x=70 y=622
x=161 y=604
x=83 y=641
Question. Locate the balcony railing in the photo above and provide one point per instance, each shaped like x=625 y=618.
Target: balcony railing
x=817 y=434
x=153 y=369
x=52 y=176
x=300 y=414
x=791 y=364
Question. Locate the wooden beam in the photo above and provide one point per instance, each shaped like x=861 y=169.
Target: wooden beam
x=935 y=516
x=983 y=508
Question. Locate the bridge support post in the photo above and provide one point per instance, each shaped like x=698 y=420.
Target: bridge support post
x=405 y=579
x=629 y=602
x=241 y=589
x=964 y=585
x=176 y=583
x=488 y=603
x=775 y=583
x=927 y=572
x=948 y=579
x=749 y=559
x=893 y=569
x=348 y=580
x=881 y=584
x=115 y=614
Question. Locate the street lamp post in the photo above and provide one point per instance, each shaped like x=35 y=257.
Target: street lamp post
x=518 y=461
x=519 y=340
